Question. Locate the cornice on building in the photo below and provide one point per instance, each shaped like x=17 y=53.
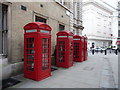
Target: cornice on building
x=78 y=20
x=99 y=5
x=77 y=26
x=98 y=37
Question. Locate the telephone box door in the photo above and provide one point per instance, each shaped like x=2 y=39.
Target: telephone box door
x=86 y=53
x=46 y=53
x=61 y=52
x=83 y=46
x=71 y=53
x=76 y=50
x=30 y=55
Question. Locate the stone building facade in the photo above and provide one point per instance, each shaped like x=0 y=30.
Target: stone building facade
x=34 y=12
x=97 y=21
x=118 y=39
x=57 y=13
x=77 y=17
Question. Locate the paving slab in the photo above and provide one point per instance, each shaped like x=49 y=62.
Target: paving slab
x=97 y=72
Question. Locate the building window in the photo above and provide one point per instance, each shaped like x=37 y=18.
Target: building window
x=40 y=19
x=98 y=18
x=23 y=8
x=98 y=32
x=118 y=23
x=109 y=23
x=119 y=15
x=61 y=27
x=74 y=31
x=3 y=29
x=104 y=33
x=118 y=33
x=62 y=2
x=75 y=10
x=77 y=32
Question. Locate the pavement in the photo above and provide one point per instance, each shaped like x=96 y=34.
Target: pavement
x=99 y=71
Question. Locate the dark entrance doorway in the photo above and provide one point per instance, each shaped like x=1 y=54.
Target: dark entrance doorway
x=3 y=29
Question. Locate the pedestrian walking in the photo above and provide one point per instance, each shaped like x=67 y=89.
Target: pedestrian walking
x=93 y=51
x=105 y=52
x=116 y=51
x=110 y=50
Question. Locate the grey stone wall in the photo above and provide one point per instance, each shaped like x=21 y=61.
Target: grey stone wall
x=51 y=10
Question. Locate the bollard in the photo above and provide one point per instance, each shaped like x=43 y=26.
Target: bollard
x=105 y=52
x=110 y=50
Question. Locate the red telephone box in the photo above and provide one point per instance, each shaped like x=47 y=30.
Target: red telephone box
x=64 y=49
x=37 y=51
x=85 y=47
x=83 y=50
x=86 y=53
x=77 y=48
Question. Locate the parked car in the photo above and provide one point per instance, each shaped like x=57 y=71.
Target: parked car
x=114 y=48
x=103 y=48
x=98 y=49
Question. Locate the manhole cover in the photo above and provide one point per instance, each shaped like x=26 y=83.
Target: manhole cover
x=9 y=82
x=88 y=68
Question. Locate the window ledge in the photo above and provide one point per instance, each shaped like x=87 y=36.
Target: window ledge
x=63 y=6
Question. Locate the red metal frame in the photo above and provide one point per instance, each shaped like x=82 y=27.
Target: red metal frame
x=77 y=48
x=85 y=47
x=83 y=50
x=37 y=51
x=64 y=49
x=86 y=54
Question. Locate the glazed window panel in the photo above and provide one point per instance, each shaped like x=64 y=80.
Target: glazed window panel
x=30 y=54
x=61 y=51
x=76 y=50
x=71 y=51
x=45 y=53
